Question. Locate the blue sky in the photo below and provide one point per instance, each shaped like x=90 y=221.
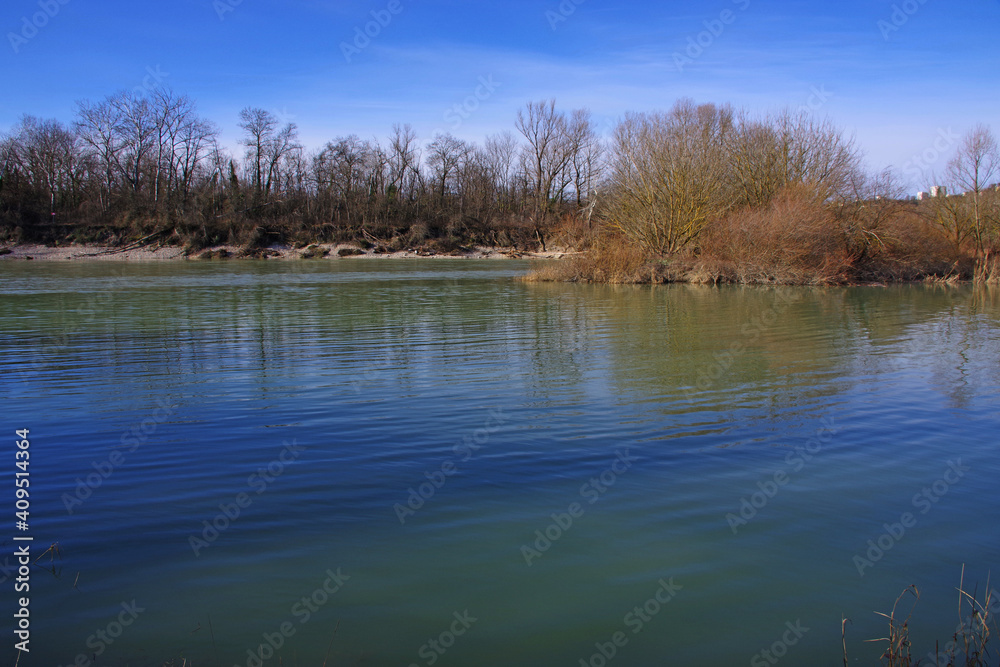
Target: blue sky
x=928 y=71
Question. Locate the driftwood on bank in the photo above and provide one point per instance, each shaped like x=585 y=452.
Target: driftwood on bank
x=141 y=243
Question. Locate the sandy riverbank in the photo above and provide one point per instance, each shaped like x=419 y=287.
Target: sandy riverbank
x=314 y=252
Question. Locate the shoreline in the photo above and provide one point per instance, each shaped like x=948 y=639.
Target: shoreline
x=319 y=251
x=562 y=271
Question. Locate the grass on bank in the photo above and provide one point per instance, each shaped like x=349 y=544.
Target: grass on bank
x=969 y=645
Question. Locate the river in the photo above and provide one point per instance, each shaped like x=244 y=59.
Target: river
x=430 y=462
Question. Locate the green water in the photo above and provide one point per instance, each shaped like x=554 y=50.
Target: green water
x=405 y=433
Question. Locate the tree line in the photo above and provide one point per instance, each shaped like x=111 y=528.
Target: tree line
x=134 y=165
x=692 y=180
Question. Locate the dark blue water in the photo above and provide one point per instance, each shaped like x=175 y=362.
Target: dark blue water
x=432 y=463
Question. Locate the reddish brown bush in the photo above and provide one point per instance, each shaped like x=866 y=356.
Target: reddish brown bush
x=795 y=240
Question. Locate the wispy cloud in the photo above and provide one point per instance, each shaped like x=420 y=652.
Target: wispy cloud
x=609 y=57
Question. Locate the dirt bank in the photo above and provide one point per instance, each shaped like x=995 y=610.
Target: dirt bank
x=314 y=252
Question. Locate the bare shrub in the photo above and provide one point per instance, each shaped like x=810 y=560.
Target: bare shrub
x=612 y=259
x=794 y=240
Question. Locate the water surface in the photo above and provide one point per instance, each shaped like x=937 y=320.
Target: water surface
x=406 y=433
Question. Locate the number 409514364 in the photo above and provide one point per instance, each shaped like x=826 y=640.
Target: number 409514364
x=22 y=457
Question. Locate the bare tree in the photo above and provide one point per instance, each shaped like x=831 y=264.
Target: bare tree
x=499 y=158
x=952 y=216
x=668 y=175
x=446 y=156
x=790 y=149
x=587 y=155
x=259 y=126
x=990 y=210
x=195 y=142
x=48 y=155
x=377 y=171
x=755 y=162
x=97 y=125
x=547 y=157
x=182 y=140
x=267 y=149
x=8 y=160
x=283 y=154
x=974 y=166
x=167 y=110
x=137 y=131
x=815 y=153
x=339 y=169
x=865 y=211
x=403 y=158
